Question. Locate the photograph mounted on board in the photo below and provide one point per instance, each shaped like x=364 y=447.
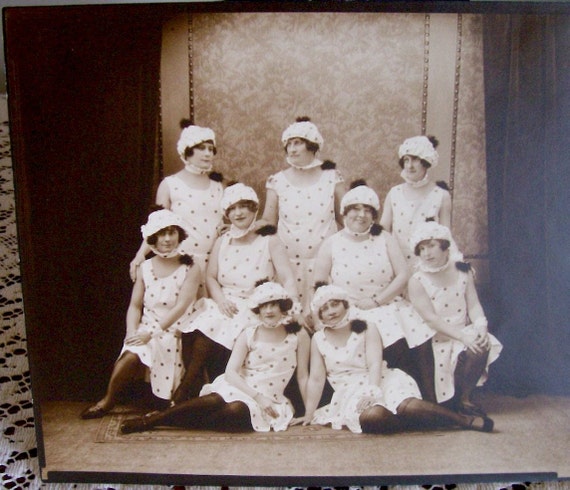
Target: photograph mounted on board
x=295 y=243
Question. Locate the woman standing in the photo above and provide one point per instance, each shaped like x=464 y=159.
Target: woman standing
x=302 y=201
x=160 y=306
x=443 y=292
x=193 y=193
x=419 y=198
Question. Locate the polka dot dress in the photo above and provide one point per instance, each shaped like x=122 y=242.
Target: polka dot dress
x=162 y=354
x=406 y=214
x=450 y=304
x=306 y=218
x=201 y=211
x=268 y=367
x=239 y=268
x=363 y=269
x=348 y=375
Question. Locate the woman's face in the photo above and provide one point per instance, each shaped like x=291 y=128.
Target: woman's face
x=359 y=218
x=297 y=152
x=202 y=156
x=167 y=239
x=270 y=313
x=432 y=254
x=332 y=312
x=413 y=167
x=240 y=215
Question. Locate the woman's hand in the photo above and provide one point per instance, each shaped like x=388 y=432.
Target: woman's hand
x=366 y=304
x=474 y=342
x=364 y=403
x=228 y=308
x=134 y=266
x=266 y=405
x=139 y=339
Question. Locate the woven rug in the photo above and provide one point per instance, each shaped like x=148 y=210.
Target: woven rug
x=19 y=468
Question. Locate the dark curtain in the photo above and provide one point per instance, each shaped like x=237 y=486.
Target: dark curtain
x=527 y=84
x=83 y=86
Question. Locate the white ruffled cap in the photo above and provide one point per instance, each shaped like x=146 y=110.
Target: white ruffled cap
x=236 y=193
x=361 y=194
x=266 y=292
x=303 y=129
x=327 y=293
x=421 y=147
x=192 y=136
x=431 y=230
x=158 y=220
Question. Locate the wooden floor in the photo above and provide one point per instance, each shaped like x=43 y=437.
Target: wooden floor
x=531 y=442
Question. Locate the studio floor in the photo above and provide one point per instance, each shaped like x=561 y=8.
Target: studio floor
x=530 y=442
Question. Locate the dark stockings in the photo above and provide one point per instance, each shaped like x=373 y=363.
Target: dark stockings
x=398 y=356
x=422 y=355
x=199 y=353
x=204 y=412
x=470 y=367
x=417 y=414
x=127 y=368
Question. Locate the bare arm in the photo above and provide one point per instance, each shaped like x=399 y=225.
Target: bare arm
x=323 y=262
x=134 y=310
x=271 y=211
x=303 y=356
x=386 y=218
x=227 y=307
x=282 y=266
x=374 y=350
x=339 y=191
x=445 y=211
x=186 y=296
x=400 y=267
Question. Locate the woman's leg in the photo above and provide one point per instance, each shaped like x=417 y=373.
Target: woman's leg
x=233 y=417
x=420 y=414
x=398 y=356
x=127 y=368
x=470 y=367
x=187 y=414
x=422 y=356
x=379 y=420
x=202 y=351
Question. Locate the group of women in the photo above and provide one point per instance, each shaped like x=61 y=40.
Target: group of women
x=365 y=320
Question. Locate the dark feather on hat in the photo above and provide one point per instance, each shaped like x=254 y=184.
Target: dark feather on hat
x=319 y=284
x=293 y=327
x=376 y=229
x=328 y=165
x=184 y=123
x=267 y=230
x=358 y=326
x=259 y=282
x=303 y=119
x=186 y=259
x=357 y=183
x=442 y=184
x=463 y=266
x=216 y=176
x=433 y=140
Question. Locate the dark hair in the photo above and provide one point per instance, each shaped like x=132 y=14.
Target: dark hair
x=443 y=244
x=189 y=151
x=434 y=141
x=352 y=206
x=284 y=305
x=182 y=235
x=249 y=204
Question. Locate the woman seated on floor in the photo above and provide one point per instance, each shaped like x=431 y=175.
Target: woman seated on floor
x=368 y=397
x=249 y=396
x=161 y=303
x=443 y=292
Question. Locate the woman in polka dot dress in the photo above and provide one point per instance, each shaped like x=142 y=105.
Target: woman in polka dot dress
x=240 y=257
x=418 y=198
x=194 y=193
x=249 y=395
x=368 y=397
x=302 y=201
x=443 y=292
x=367 y=263
x=161 y=304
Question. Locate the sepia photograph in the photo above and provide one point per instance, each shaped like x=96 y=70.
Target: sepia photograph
x=294 y=243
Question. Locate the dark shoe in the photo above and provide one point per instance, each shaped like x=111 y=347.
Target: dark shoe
x=93 y=412
x=482 y=424
x=138 y=424
x=470 y=408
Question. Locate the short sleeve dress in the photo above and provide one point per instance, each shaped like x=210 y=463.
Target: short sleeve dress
x=363 y=269
x=450 y=304
x=268 y=368
x=348 y=375
x=306 y=218
x=162 y=354
x=407 y=214
x=201 y=211
x=240 y=266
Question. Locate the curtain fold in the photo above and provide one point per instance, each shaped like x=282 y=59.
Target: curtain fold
x=528 y=166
